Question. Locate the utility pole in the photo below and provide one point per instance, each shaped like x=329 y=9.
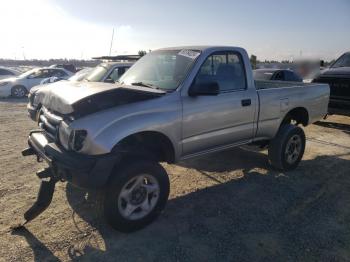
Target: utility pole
x=24 y=56
x=110 y=49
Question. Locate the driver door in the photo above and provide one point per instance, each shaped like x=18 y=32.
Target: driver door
x=214 y=121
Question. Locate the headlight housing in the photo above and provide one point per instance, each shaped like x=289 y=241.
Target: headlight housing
x=71 y=139
x=76 y=139
x=35 y=99
x=64 y=134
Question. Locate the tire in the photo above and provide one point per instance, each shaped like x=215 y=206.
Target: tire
x=18 y=91
x=128 y=189
x=287 y=148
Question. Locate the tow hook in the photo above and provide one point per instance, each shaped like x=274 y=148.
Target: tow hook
x=44 y=197
x=43 y=201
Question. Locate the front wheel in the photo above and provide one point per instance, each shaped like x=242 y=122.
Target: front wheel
x=18 y=91
x=287 y=148
x=136 y=196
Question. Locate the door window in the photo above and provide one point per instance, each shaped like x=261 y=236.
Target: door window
x=116 y=74
x=4 y=72
x=224 y=68
x=279 y=76
x=58 y=73
x=41 y=73
x=291 y=76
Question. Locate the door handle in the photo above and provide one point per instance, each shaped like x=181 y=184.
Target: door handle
x=246 y=102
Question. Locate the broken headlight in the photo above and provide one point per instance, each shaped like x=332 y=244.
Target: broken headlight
x=76 y=139
x=34 y=99
x=71 y=139
x=64 y=134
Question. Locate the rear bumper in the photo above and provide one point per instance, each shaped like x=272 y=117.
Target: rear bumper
x=81 y=170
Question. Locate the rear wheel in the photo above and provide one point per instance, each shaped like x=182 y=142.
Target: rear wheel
x=18 y=91
x=136 y=195
x=287 y=148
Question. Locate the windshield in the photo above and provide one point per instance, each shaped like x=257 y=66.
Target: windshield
x=29 y=72
x=80 y=75
x=98 y=73
x=343 y=61
x=163 y=69
x=262 y=75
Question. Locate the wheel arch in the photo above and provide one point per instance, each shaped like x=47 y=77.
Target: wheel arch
x=299 y=114
x=152 y=144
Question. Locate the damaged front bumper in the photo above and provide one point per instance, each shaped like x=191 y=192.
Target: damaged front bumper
x=90 y=172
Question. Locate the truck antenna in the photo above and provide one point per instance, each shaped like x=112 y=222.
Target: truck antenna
x=110 y=49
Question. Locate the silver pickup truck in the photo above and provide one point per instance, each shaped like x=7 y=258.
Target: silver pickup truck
x=173 y=104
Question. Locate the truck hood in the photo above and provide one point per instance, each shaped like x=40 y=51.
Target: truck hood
x=338 y=71
x=82 y=98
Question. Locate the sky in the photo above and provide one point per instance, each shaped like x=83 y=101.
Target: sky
x=81 y=29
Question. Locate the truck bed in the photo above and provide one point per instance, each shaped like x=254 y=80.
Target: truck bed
x=259 y=84
x=277 y=98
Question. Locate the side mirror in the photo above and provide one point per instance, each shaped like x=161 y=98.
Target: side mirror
x=204 y=89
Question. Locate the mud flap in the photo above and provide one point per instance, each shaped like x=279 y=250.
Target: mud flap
x=43 y=201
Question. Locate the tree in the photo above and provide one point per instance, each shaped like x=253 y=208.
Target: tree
x=253 y=61
x=142 y=52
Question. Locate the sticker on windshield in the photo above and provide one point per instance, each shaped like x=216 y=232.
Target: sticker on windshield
x=189 y=53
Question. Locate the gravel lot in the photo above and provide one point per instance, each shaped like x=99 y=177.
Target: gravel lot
x=229 y=206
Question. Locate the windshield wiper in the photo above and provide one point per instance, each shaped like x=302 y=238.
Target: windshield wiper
x=146 y=85
x=340 y=66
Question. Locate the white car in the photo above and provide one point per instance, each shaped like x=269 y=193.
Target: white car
x=7 y=72
x=19 y=86
x=108 y=72
x=78 y=76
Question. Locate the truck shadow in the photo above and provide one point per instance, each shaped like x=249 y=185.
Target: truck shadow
x=246 y=158
x=340 y=126
x=302 y=215
x=40 y=251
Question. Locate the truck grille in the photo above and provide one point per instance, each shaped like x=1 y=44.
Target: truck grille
x=49 y=122
x=335 y=82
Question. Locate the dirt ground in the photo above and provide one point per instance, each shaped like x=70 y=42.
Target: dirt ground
x=228 y=206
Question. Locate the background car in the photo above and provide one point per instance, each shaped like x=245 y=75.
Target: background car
x=7 y=72
x=276 y=74
x=81 y=74
x=19 y=86
x=338 y=78
x=108 y=72
x=78 y=76
x=69 y=67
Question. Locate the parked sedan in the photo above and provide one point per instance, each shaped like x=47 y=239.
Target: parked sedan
x=19 y=86
x=276 y=74
x=78 y=76
x=7 y=72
